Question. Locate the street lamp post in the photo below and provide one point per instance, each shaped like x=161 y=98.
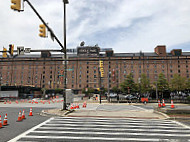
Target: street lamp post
x=65 y=55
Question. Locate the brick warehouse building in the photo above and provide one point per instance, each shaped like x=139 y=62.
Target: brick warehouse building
x=45 y=70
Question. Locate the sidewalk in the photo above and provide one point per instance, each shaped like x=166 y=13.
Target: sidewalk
x=94 y=110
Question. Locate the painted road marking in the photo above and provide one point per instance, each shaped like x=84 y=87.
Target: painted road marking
x=30 y=130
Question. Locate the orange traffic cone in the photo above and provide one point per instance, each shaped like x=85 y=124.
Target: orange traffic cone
x=172 y=104
x=159 y=104
x=4 y=102
x=74 y=106
x=30 y=114
x=77 y=106
x=71 y=106
x=23 y=115
x=163 y=103
x=19 y=117
x=5 y=120
x=0 y=122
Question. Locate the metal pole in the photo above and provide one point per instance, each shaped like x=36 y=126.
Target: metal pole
x=65 y=58
x=108 y=77
x=100 y=82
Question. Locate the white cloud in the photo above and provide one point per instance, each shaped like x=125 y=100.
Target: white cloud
x=125 y=26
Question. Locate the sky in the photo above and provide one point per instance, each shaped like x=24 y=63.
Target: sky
x=123 y=25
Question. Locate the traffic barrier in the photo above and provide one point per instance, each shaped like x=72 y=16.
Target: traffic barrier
x=5 y=120
x=0 y=122
x=172 y=104
x=23 y=115
x=16 y=101
x=30 y=114
x=19 y=117
x=163 y=103
x=159 y=104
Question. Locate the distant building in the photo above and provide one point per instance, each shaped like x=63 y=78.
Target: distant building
x=46 y=70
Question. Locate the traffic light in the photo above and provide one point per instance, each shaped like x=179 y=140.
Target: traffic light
x=42 y=30
x=101 y=64
x=101 y=72
x=16 y=5
x=4 y=53
x=11 y=49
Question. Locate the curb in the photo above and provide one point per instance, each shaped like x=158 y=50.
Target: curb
x=161 y=113
x=44 y=112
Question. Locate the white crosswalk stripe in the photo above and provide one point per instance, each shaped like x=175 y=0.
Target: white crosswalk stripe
x=106 y=129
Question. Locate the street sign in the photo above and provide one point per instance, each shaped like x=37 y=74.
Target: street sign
x=20 y=50
x=27 y=50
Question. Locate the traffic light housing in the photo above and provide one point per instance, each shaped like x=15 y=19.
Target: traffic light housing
x=101 y=72
x=4 y=53
x=101 y=64
x=42 y=30
x=16 y=5
x=11 y=49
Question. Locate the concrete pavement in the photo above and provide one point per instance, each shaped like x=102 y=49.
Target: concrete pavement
x=111 y=111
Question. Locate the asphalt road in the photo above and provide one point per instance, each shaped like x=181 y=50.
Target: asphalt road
x=15 y=128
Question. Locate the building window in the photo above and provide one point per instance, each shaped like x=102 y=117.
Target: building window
x=94 y=71
x=163 y=66
x=171 y=71
x=171 y=76
x=87 y=67
x=155 y=71
x=170 y=66
x=86 y=71
x=178 y=66
x=155 y=66
x=187 y=71
x=94 y=76
x=94 y=85
x=94 y=67
x=162 y=71
x=50 y=76
x=178 y=71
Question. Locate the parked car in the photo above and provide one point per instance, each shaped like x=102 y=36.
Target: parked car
x=130 y=97
x=113 y=95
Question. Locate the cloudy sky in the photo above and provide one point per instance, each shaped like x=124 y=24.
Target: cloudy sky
x=124 y=25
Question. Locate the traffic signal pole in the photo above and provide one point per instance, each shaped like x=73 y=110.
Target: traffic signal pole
x=49 y=29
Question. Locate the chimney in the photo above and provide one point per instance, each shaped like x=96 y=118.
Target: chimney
x=160 y=50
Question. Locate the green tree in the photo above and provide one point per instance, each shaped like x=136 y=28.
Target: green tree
x=178 y=83
x=162 y=83
x=115 y=89
x=43 y=92
x=144 y=84
x=188 y=84
x=128 y=85
x=88 y=92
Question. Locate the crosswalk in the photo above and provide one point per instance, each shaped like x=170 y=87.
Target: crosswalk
x=59 y=129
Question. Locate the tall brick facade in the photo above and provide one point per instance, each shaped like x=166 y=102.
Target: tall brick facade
x=47 y=72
